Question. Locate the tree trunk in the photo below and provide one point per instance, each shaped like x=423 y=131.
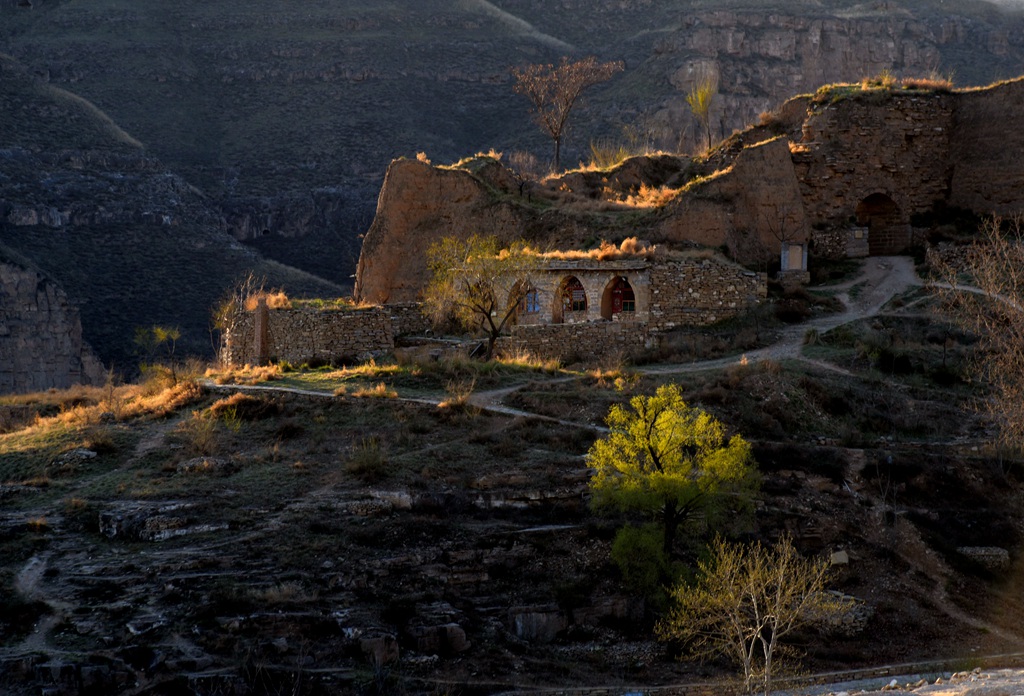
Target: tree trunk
x=558 y=153
x=671 y=521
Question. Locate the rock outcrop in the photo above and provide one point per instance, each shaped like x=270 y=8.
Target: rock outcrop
x=41 y=345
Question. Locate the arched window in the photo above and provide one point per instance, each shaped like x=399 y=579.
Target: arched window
x=574 y=297
x=530 y=302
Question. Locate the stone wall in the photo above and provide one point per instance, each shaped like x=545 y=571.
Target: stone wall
x=407 y=318
x=596 y=277
x=307 y=334
x=838 y=243
x=588 y=342
x=41 y=345
x=699 y=291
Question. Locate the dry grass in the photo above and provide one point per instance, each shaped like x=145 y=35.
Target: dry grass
x=883 y=80
x=520 y=357
x=458 y=393
x=652 y=196
x=378 y=391
x=630 y=248
x=275 y=299
x=932 y=83
x=245 y=407
x=249 y=374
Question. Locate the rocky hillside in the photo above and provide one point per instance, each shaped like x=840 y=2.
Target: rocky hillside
x=126 y=242
x=272 y=542
x=286 y=118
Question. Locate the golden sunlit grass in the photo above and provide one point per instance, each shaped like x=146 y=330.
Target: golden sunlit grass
x=275 y=299
x=377 y=391
x=248 y=374
x=617 y=377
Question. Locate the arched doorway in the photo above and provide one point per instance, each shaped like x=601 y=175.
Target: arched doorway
x=888 y=233
x=618 y=298
x=571 y=300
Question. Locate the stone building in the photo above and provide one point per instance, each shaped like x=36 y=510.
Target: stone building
x=578 y=308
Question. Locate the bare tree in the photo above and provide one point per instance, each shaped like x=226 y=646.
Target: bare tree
x=746 y=601
x=987 y=298
x=699 y=97
x=555 y=89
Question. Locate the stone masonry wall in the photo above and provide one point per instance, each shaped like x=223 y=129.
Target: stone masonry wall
x=585 y=342
x=407 y=318
x=308 y=334
x=41 y=345
x=696 y=292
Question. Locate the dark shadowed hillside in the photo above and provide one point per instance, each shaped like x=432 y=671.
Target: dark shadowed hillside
x=131 y=243
x=286 y=116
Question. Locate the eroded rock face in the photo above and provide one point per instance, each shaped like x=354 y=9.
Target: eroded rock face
x=41 y=344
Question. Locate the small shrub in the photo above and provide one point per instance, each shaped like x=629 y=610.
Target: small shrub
x=200 y=434
x=459 y=392
x=638 y=553
x=245 y=407
x=378 y=391
x=368 y=461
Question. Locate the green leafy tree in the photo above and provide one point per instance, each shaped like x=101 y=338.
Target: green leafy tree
x=669 y=461
x=746 y=601
x=555 y=89
x=478 y=283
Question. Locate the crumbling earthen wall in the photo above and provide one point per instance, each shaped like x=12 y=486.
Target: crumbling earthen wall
x=875 y=143
x=987 y=150
x=41 y=344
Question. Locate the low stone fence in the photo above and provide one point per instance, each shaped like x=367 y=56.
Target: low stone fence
x=584 y=342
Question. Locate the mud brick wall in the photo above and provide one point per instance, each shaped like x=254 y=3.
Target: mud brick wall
x=307 y=334
x=587 y=342
x=696 y=292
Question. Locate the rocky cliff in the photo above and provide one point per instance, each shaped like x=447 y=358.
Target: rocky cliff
x=820 y=163
x=41 y=345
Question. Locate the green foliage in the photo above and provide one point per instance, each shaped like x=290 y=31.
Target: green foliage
x=477 y=283
x=638 y=553
x=668 y=461
x=699 y=99
x=746 y=600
